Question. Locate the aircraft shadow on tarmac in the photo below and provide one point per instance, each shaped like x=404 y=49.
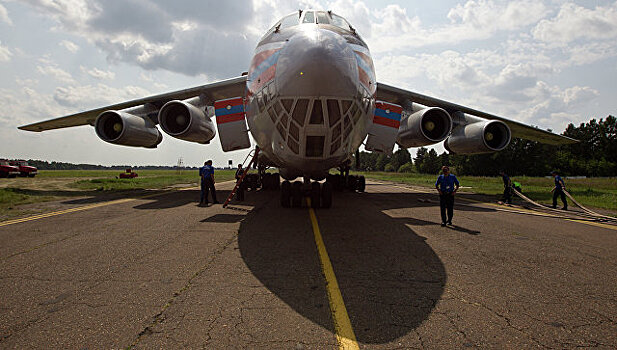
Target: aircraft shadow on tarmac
x=390 y=278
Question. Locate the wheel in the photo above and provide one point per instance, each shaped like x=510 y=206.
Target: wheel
x=352 y=182
x=266 y=181
x=326 y=195
x=31 y=175
x=4 y=174
x=285 y=194
x=296 y=194
x=361 y=184
x=315 y=194
x=276 y=181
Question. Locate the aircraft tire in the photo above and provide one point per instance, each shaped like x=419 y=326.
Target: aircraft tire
x=266 y=181
x=352 y=182
x=361 y=183
x=326 y=195
x=276 y=181
x=296 y=194
x=285 y=194
x=315 y=194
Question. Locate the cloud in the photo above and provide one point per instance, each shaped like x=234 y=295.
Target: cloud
x=4 y=16
x=474 y=20
x=56 y=73
x=574 y=22
x=197 y=37
x=5 y=53
x=69 y=45
x=98 y=74
x=90 y=96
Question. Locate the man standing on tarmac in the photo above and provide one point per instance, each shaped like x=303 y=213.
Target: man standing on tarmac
x=560 y=186
x=207 y=183
x=507 y=187
x=447 y=185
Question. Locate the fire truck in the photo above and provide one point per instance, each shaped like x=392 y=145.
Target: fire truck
x=7 y=170
x=25 y=170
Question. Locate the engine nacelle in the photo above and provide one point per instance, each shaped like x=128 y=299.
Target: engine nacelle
x=184 y=121
x=424 y=127
x=479 y=137
x=126 y=129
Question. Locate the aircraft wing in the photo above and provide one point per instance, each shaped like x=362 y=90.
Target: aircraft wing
x=215 y=91
x=395 y=95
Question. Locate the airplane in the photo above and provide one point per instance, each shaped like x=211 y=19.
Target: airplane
x=310 y=99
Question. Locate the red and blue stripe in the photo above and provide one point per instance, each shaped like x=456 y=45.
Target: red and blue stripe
x=229 y=110
x=263 y=69
x=387 y=114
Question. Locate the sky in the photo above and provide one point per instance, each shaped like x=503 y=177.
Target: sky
x=545 y=63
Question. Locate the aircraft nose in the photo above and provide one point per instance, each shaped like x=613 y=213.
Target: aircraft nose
x=317 y=62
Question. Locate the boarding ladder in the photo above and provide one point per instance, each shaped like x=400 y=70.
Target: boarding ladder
x=246 y=170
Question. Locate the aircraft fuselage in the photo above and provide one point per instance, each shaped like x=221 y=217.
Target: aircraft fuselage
x=310 y=96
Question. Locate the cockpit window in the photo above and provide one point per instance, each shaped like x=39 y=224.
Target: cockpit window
x=289 y=21
x=309 y=17
x=340 y=22
x=322 y=18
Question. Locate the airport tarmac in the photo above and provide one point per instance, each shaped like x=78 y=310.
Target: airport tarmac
x=162 y=272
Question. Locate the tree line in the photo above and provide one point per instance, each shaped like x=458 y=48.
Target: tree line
x=594 y=155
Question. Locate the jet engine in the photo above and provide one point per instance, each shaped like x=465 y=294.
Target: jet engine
x=183 y=120
x=479 y=137
x=126 y=129
x=425 y=126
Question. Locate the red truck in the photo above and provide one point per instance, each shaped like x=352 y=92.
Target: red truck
x=7 y=170
x=25 y=170
x=128 y=174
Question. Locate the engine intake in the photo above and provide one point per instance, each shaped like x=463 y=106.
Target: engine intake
x=479 y=137
x=126 y=129
x=184 y=121
x=424 y=127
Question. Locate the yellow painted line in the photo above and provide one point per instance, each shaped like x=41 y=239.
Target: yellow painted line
x=610 y=227
x=92 y=206
x=345 y=336
x=66 y=211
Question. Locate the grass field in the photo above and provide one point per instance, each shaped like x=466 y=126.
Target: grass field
x=60 y=184
x=592 y=192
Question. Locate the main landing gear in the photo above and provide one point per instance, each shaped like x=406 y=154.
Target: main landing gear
x=293 y=193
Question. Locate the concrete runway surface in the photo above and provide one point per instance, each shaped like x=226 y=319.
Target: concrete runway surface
x=161 y=272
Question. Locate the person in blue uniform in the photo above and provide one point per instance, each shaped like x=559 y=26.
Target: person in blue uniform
x=207 y=183
x=507 y=187
x=447 y=185
x=560 y=186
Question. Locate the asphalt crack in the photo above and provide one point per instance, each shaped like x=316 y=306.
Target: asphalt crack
x=160 y=316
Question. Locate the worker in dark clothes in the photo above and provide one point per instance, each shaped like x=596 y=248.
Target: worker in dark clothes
x=507 y=187
x=207 y=183
x=240 y=189
x=560 y=186
x=447 y=185
x=239 y=172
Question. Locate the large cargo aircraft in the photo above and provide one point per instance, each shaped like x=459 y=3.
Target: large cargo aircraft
x=310 y=99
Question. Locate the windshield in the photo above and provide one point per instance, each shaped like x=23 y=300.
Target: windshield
x=289 y=21
x=340 y=22
x=322 y=18
x=4 y=162
x=309 y=17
